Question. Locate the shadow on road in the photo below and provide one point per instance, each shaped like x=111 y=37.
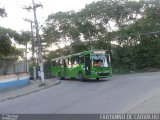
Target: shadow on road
x=87 y=80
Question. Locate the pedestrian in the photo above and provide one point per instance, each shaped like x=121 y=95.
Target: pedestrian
x=39 y=74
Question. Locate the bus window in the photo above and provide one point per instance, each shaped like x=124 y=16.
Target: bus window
x=53 y=63
x=77 y=59
x=69 y=61
x=57 y=62
x=100 y=60
x=66 y=62
x=74 y=60
x=81 y=59
x=60 y=62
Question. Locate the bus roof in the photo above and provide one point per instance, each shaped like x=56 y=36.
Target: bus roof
x=76 y=54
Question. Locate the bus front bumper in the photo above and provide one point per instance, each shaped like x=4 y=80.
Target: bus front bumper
x=100 y=74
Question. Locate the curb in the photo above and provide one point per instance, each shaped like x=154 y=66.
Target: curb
x=10 y=98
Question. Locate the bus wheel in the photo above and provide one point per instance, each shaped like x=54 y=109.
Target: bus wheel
x=80 y=76
x=59 y=76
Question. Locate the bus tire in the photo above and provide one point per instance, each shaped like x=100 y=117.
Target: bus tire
x=80 y=76
x=97 y=79
x=59 y=76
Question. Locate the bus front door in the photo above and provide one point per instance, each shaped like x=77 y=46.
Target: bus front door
x=87 y=65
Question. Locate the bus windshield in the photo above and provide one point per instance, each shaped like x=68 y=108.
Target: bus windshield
x=100 y=61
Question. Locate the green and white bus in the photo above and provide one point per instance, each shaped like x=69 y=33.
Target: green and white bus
x=88 y=64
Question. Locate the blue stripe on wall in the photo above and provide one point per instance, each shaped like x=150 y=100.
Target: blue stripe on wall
x=16 y=83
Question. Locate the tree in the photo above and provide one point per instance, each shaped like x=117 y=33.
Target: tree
x=25 y=38
x=133 y=26
x=143 y=37
x=6 y=47
x=93 y=21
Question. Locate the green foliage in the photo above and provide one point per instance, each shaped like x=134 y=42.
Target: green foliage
x=6 y=48
x=25 y=37
x=133 y=26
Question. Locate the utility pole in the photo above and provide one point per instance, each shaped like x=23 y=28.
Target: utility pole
x=33 y=51
x=40 y=59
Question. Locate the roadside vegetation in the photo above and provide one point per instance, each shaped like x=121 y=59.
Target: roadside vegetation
x=130 y=30
x=8 y=49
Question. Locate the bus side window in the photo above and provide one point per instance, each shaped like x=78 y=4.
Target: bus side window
x=69 y=61
x=66 y=62
x=74 y=60
x=77 y=59
x=60 y=62
x=53 y=63
x=81 y=59
x=57 y=62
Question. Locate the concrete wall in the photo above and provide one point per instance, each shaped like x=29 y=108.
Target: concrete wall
x=13 y=80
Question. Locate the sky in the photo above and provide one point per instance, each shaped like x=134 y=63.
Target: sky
x=16 y=13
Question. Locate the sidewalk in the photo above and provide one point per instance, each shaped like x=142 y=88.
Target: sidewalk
x=34 y=86
x=151 y=105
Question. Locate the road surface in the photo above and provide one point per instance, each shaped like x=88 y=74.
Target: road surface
x=118 y=95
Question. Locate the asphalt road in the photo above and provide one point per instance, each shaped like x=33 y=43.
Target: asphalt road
x=118 y=95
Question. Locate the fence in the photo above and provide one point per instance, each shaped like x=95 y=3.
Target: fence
x=13 y=67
